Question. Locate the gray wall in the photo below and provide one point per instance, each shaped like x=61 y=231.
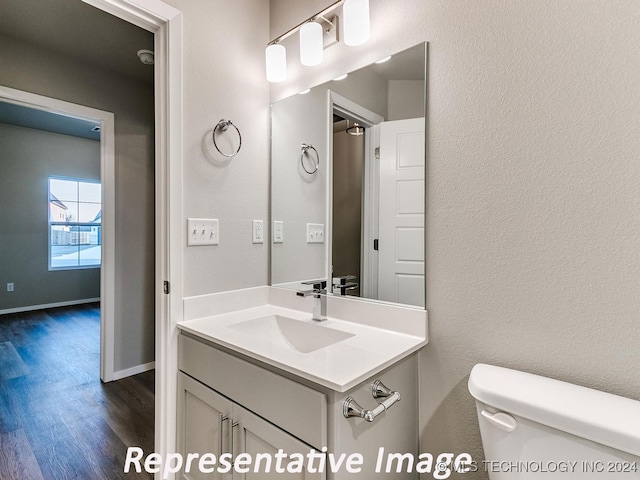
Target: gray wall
x=346 y=218
x=533 y=185
x=43 y=72
x=29 y=157
x=402 y=99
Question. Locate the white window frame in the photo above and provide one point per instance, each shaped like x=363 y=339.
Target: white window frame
x=51 y=223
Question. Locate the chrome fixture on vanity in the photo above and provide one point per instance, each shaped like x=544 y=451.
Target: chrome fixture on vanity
x=351 y=408
x=319 y=300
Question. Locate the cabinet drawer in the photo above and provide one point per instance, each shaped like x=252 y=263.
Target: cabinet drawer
x=295 y=408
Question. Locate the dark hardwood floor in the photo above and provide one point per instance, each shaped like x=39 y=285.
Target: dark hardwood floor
x=57 y=420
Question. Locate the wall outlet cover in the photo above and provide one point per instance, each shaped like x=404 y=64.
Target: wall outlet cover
x=278 y=231
x=258 y=231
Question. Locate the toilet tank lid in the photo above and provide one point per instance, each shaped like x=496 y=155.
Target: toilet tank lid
x=597 y=416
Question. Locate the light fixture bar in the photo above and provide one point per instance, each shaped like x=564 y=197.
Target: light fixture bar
x=313 y=18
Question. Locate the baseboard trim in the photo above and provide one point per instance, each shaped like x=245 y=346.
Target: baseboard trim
x=128 y=372
x=49 y=305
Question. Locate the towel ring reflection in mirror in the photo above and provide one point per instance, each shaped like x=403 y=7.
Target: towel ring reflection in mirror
x=305 y=149
x=223 y=126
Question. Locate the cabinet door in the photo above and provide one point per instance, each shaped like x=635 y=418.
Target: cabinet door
x=203 y=426
x=255 y=436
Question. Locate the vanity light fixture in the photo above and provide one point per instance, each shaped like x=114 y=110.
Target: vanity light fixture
x=276 y=57
x=341 y=77
x=311 y=44
x=318 y=32
x=356 y=22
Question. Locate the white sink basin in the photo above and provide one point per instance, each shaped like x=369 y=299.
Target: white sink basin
x=304 y=337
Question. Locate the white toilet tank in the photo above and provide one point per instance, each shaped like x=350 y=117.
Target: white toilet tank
x=537 y=427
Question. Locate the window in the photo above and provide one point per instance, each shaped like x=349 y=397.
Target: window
x=75 y=231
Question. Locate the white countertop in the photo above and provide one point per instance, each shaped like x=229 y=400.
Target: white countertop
x=339 y=367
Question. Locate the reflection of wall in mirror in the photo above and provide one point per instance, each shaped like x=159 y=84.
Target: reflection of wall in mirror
x=298 y=198
x=405 y=99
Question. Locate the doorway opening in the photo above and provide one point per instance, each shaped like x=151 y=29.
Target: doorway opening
x=348 y=163
x=155 y=18
x=387 y=158
x=54 y=124
x=362 y=152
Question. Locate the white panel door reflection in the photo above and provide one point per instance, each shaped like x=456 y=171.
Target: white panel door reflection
x=401 y=228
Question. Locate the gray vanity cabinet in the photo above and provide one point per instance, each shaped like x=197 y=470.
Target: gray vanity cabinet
x=227 y=399
x=259 y=413
x=211 y=423
x=201 y=428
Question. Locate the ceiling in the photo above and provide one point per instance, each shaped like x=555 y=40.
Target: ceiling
x=13 y=114
x=78 y=30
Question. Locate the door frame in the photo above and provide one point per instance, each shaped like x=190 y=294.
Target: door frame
x=107 y=179
x=165 y=22
x=369 y=225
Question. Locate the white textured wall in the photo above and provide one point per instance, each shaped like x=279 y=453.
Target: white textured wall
x=533 y=231
x=223 y=48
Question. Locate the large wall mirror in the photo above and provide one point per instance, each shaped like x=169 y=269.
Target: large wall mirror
x=348 y=183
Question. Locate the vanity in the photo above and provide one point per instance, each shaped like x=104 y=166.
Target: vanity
x=271 y=388
x=266 y=391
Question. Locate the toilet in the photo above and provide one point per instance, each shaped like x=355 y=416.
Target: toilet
x=537 y=427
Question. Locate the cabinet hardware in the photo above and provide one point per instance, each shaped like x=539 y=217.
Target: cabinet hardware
x=231 y=445
x=221 y=420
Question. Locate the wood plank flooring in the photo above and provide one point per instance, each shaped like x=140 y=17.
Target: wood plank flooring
x=57 y=420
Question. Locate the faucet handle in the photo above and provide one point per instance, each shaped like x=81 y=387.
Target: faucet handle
x=318 y=285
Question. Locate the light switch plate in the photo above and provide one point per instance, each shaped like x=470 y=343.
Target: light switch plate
x=278 y=231
x=315 y=233
x=258 y=231
x=203 y=231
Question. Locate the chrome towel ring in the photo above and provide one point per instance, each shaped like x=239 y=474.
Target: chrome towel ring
x=223 y=126
x=305 y=149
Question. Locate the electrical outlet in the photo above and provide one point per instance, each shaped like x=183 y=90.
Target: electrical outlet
x=278 y=231
x=10 y=287
x=258 y=231
x=315 y=233
x=203 y=231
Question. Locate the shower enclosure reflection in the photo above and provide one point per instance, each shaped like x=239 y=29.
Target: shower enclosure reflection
x=358 y=219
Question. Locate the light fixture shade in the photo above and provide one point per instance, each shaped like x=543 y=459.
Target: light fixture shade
x=276 y=57
x=356 y=22
x=311 y=45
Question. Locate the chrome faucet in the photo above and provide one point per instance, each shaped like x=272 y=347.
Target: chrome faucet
x=319 y=298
